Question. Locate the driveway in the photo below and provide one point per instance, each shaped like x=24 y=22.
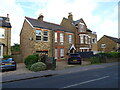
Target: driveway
x=21 y=69
x=63 y=65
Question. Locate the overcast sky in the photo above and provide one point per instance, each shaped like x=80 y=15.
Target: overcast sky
x=101 y=16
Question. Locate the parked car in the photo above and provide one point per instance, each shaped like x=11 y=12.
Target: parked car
x=7 y=64
x=74 y=58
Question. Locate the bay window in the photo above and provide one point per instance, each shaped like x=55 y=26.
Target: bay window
x=86 y=39
x=82 y=39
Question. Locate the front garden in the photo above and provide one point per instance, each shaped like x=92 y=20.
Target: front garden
x=105 y=57
x=39 y=63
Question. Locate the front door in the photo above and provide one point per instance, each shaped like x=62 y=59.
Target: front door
x=1 y=51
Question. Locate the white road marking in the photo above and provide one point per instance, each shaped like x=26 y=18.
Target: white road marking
x=86 y=82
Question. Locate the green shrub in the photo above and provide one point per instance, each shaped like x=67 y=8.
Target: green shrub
x=113 y=54
x=31 y=59
x=7 y=56
x=95 y=60
x=119 y=55
x=109 y=55
x=39 y=66
x=42 y=58
x=28 y=66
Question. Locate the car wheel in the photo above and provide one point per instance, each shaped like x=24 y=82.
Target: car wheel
x=80 y=63
x=15 y=67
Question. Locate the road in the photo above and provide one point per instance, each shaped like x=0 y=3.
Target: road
x=97 y=78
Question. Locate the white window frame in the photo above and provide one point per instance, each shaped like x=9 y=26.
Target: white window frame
x=2 y=33
x=70 y=38
x=61 y=37
x=61 y=52
x=45 y=36
x=1 y=51
x=103 y=45
x=81 y=27
x=82 y=39
x=89 y=40
x=56 y=37
x=86 y=39
x=39 y=35
x=56 y=53
x=94 y=40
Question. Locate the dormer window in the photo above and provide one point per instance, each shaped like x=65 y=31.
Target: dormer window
x=81 y=27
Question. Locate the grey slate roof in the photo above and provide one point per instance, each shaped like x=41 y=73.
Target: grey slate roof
x=76 y=22
x=89 y=30
x=113 y=38
x=4 y=22
x=46 y=25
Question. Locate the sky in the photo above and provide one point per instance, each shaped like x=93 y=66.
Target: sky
x=101 y=16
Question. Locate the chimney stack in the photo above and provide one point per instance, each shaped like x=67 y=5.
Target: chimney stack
x=8 y=18
x=70 y=17
x=40 y=17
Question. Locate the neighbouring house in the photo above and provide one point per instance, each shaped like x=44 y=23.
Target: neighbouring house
x=85 y=39
x=5 y=36
x=108 y=44
x=41 y=37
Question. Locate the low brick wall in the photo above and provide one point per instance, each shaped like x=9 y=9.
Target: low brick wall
x=107 y=60
x=17 y=58
x=112 y=60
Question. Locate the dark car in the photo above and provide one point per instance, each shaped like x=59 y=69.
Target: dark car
x=74 y=58
x=7 y=64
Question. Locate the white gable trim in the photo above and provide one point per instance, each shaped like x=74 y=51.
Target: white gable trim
x=29 y=23
x=81 y=23
x=84 y=48
x=72 y=47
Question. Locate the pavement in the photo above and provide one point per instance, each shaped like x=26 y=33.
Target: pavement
x=12 y=78
x=106 y=77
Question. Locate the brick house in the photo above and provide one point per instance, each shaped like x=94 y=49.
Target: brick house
x=41 y=37
x=108 y=44
x=5 y=36
x=85 y=39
